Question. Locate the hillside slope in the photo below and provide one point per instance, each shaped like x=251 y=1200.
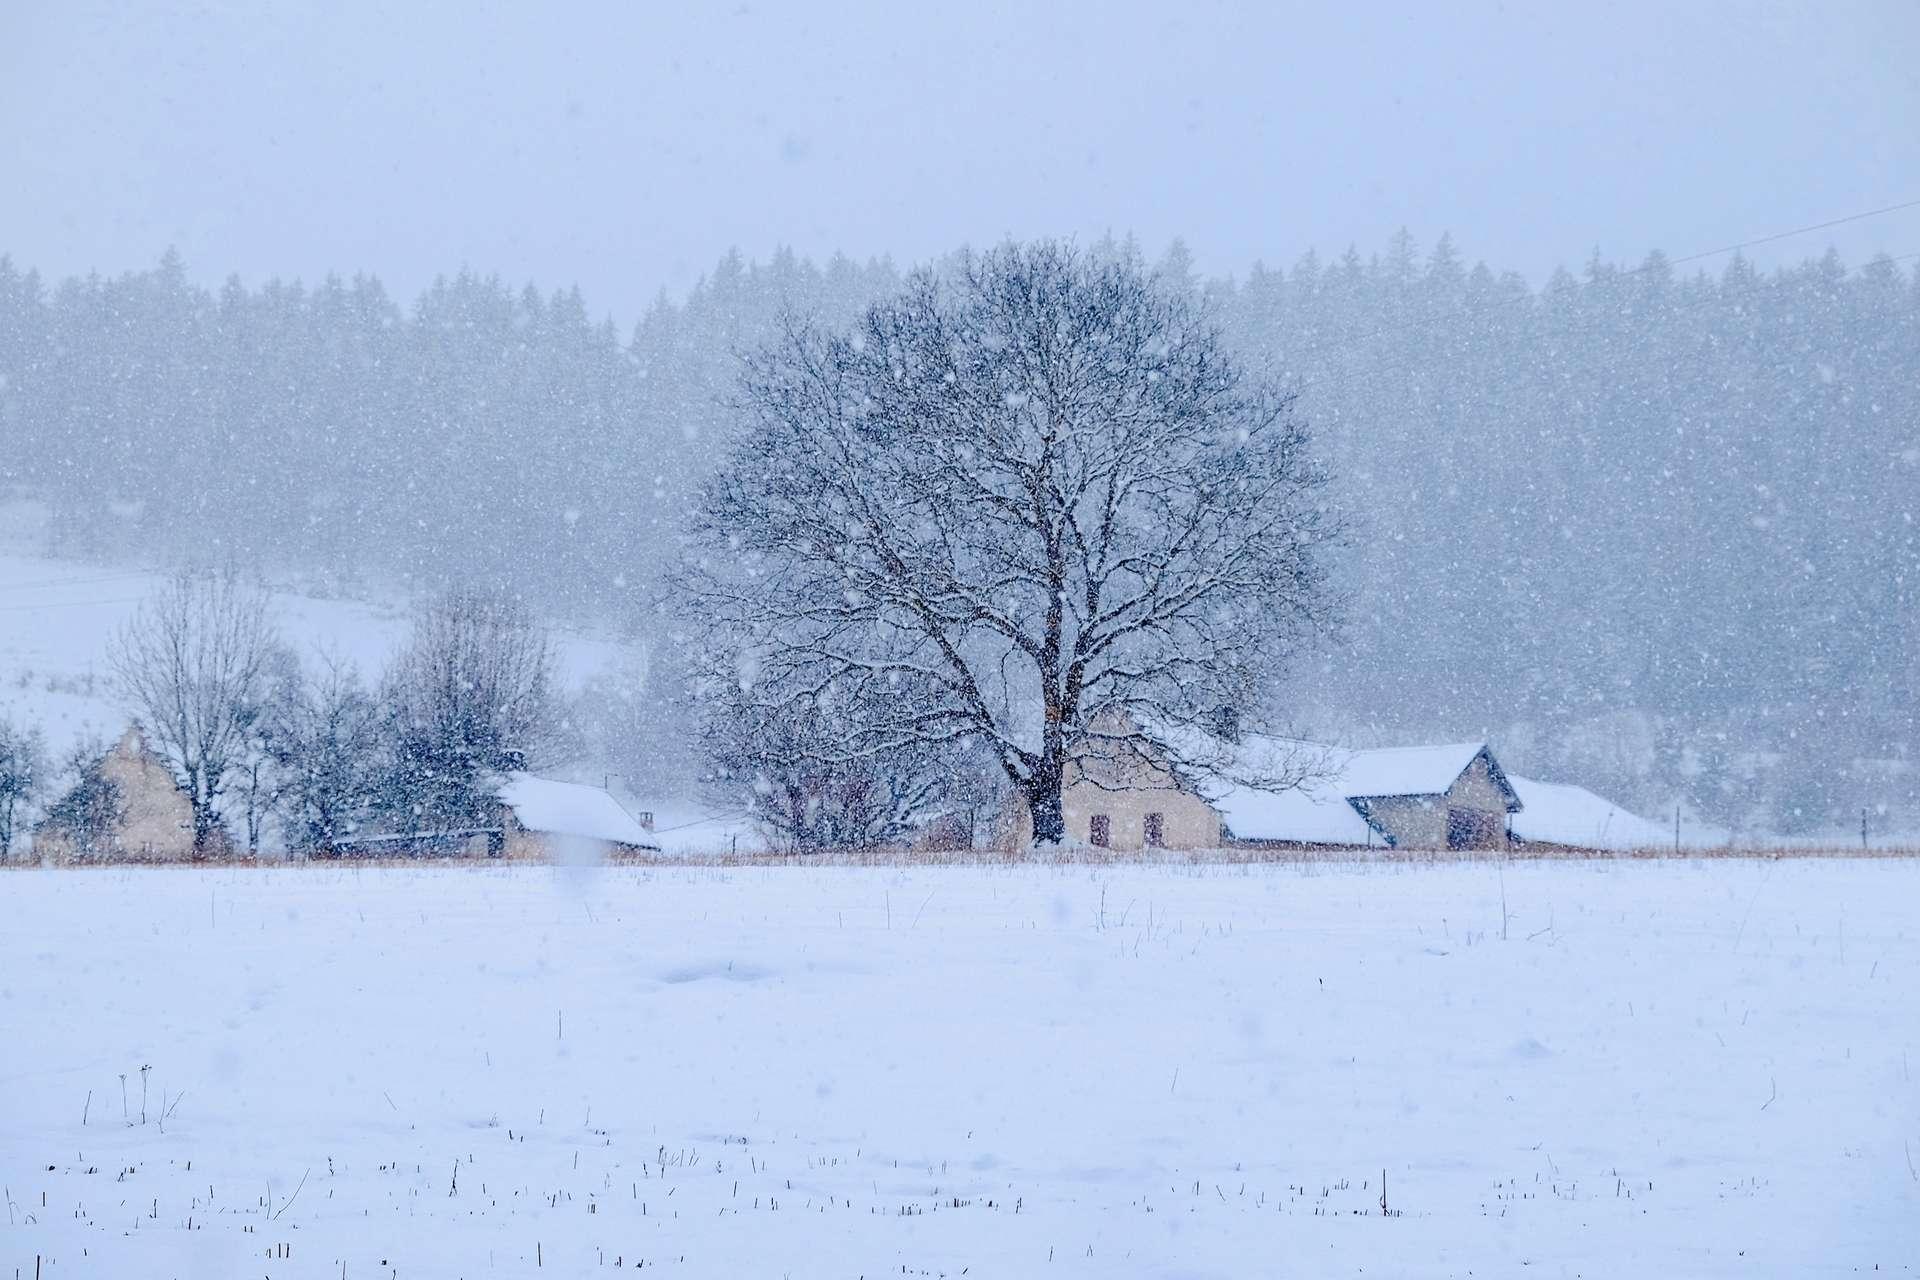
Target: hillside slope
x=58 y=617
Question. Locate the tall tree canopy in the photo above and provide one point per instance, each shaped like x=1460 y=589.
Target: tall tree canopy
x=1029 y=503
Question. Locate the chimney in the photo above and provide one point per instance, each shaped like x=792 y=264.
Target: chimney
x=1226 y=723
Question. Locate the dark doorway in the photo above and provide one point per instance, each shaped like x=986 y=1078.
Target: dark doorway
x=1473 y=829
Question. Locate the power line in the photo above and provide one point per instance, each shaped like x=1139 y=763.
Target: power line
x=1799 y=231
x=713 y=817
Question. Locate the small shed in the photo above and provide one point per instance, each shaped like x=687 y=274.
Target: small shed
x=551 y=821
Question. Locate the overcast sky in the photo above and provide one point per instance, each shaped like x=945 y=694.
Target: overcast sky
x=626 y=146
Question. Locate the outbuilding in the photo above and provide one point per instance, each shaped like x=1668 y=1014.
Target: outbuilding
x=550 y=821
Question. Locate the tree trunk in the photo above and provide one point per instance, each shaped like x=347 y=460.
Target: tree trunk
x=1043 y=805
x=205 y=824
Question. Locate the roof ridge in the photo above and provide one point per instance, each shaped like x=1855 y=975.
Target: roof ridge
x=1425 y=746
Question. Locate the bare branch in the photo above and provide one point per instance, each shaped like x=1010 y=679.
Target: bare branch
x=1021 y=504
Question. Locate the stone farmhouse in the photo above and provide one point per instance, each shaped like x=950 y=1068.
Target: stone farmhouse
x=1452 y=796
x=155 y=818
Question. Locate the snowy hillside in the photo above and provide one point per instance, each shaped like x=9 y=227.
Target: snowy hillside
x=57 y=618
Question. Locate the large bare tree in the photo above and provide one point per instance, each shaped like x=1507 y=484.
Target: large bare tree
x=193 y=662
x=1030 y=504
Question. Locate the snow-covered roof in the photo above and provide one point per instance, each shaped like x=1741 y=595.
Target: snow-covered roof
x=1322 y=809
x=572 y=809
x=1326 y=808
x=1405 y=771
x=1308 y=814
x=1556 y=813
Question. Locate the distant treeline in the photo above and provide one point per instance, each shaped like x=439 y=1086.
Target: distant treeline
x=1652 y=530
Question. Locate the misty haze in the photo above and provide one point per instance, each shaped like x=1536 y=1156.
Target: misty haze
x=829 y=641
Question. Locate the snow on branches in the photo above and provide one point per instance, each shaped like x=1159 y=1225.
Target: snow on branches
x=1029 y=505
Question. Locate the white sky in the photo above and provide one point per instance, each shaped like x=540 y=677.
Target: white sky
x=626 y=146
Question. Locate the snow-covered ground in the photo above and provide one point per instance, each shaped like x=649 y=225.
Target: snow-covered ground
x=1668 y=1068
x=58 y=617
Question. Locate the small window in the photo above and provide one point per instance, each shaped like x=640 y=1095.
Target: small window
x=1100 y=831
x=1156 y=830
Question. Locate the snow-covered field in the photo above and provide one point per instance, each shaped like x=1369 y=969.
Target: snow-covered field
x=1670 y=1068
